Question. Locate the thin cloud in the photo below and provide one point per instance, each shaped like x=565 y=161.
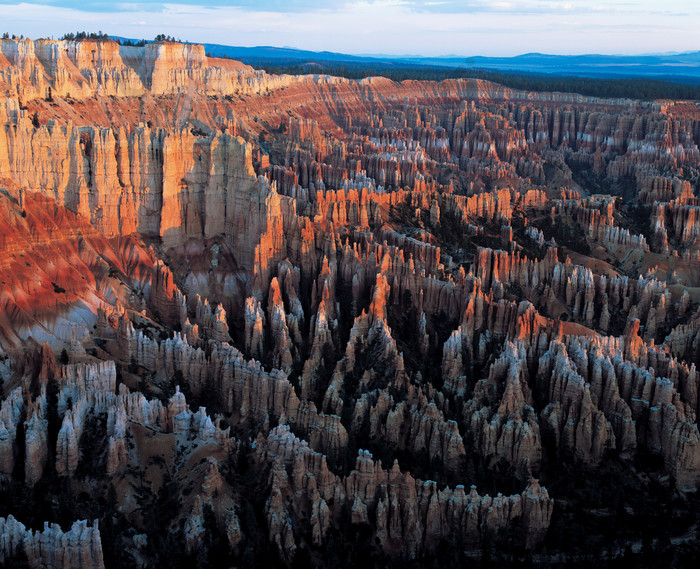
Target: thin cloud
x=381 y=26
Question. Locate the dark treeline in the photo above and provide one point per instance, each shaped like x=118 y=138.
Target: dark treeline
x=133 y=43
x=638 y=88
x=163 y=37
x=100 y=36
x=79 y=36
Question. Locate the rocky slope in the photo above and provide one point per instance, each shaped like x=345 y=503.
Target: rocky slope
x=261 y=320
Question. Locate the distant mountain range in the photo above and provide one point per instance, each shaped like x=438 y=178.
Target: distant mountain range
x=659 y=66
x=677 y=67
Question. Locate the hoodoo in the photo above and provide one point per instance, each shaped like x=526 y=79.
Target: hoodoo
x=264 y=320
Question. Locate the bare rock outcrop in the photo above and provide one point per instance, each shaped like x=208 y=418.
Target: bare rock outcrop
x=80 y=547
x=410 y=514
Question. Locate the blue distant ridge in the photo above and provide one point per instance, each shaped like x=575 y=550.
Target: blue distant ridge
x=680 y=67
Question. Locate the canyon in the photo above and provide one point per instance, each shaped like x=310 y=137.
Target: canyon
x=260 y=320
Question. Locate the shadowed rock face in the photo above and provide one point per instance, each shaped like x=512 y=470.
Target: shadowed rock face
x=246 y=315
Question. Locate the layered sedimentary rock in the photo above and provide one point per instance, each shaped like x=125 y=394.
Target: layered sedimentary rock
x=285 y=323
x=81 y=69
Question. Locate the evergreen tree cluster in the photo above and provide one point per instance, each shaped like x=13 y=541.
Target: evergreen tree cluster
x=163 y=37
x=636 y=88
x=79 y=36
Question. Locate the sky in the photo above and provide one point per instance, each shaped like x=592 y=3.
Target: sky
x=391 y=27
